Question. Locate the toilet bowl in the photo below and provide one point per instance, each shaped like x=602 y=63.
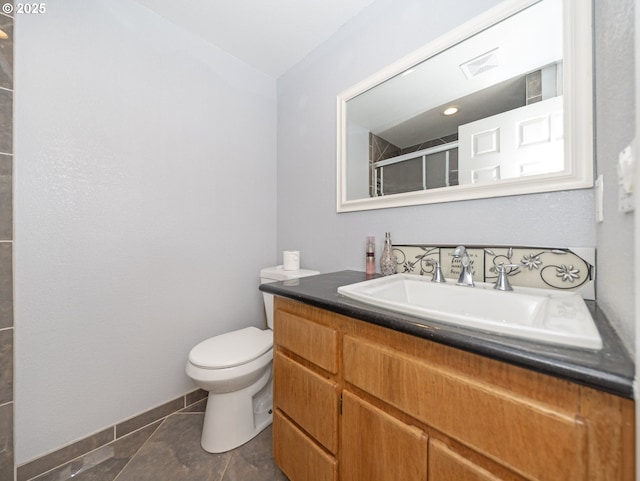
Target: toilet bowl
x=235 y=368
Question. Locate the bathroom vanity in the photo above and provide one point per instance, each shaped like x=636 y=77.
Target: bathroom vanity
x=361 y=393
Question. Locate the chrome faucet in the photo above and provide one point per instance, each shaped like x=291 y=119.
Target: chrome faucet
x=437 y=271
x=466 y=276
x=502 y=282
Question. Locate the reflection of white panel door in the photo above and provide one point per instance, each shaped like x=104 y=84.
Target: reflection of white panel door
x=524 y=141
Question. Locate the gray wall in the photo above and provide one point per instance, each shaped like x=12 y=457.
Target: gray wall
x=386 y=31
x=144 y=210
x=615 y=129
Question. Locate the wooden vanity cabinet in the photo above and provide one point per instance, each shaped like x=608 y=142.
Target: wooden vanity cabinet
x=360 y=402
x=306 y=395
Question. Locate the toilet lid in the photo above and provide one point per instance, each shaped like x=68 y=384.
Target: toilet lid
x=232 y=348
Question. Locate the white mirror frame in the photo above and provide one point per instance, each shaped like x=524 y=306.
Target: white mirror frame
x=578 y=114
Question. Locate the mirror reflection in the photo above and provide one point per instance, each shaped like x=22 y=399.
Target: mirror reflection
x=485 y=109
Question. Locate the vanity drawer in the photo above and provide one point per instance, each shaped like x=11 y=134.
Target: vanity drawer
x=308 y=398
x=534 y=439
x=298 y=456
x=314 y=342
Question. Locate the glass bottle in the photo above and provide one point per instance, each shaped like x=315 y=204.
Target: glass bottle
x=388 y=260
x=371 y=256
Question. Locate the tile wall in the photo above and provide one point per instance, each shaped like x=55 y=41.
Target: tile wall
x=534 y=87
x=6 y=247
x=561 y=269
x=411 y=172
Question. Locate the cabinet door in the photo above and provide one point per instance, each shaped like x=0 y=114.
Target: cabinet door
x=530 y=438
x=378 y=447
x=446 y=465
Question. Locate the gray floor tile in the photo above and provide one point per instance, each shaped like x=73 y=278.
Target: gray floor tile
x=174 y=453
x=170 y=451
x=254 y=461
x=104 y=463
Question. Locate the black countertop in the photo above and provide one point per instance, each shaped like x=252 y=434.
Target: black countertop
x=609 y=369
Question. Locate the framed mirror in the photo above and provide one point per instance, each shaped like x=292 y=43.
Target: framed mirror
x=501 y=105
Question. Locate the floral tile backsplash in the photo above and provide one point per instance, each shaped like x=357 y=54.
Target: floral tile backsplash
x=567 y=269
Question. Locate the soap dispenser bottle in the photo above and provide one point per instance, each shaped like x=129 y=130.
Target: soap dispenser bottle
x=370 y=266
x=388 y=260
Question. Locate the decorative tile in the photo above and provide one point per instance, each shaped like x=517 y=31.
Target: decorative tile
x=567 y=269
x=414 y=259
x=542 y=268
x=419 y=260
x=451 y=266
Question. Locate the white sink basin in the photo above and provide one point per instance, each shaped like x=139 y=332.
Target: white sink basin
x=535 y=314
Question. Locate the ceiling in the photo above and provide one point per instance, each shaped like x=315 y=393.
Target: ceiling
x=271 y=35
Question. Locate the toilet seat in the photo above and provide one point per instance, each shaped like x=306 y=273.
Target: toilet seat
x=232 y=348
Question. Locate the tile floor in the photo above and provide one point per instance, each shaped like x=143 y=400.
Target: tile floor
x=173 y=453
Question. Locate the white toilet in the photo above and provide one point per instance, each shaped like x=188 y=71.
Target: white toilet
x=235 y=368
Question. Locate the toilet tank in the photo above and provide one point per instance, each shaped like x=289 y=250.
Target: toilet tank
x=274 y=274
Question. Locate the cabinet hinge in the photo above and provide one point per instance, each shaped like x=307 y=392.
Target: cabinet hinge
x=340 y=405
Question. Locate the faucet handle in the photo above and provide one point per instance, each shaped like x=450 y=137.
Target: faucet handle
x=502 y=283
x=437 y=271
x=459 y=251
x=503 y=266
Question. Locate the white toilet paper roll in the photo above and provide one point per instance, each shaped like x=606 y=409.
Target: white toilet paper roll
x=291 y=260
